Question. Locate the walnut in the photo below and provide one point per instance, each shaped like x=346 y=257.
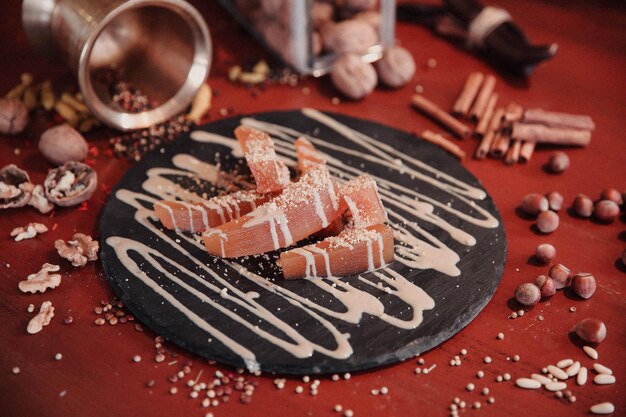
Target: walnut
x=46 y=312
x=13 y=115
x=353 y=77
x=79 y=250
x=15 y=187
x=63 y=143
x=70 y=184
x=41 y=280
x=348 y=36
x=28 y=232
x=396 y=67
x=39 y=201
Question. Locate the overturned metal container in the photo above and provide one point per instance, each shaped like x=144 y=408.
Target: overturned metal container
x=161 y=47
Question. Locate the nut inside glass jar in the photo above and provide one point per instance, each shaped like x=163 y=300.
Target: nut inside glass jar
x=309 y=35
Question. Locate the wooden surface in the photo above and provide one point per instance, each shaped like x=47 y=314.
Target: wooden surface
x=97 y=376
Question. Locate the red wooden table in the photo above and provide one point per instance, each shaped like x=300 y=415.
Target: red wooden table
x=97 y=376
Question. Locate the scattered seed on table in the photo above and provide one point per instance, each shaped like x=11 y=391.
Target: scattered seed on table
x=421 y=361
x=601 y=369
x=15 y=370
x=564 y=363
x=500 y=336
x=556 y=386
x=591 y=352
x=335 y=377
x=572 y=398
x=487 y=359
x=485 y=391
x=516 y=358
x=347 y=376
x=417 y=371
x=384 y=390
x=299 y=389
x=136 y=358
x=542 y=379
x=499 y=378
x=557 y=372
x=68 y=320
x=338 y=408
x=375 y=392
x=58 y=357
x=463 y=352
x=558 y=394
x=604 y=379
x=31 y=308
x=99 y=321
x=527 y=383
x=507 y=377
x=476 y=404
x=480 y=374
x=573 y=369
x=173 y=390
x=470 y=387
x=602 y=408
x=348 y=413
x=581 y=378
x=491 y=400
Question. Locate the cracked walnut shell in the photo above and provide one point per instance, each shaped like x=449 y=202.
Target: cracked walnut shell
x=70 y=184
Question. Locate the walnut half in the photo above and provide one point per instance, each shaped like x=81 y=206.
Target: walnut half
x=15 y=187
x=41 y=280
x=28 y=232
x=46 y=312
x=79 y=250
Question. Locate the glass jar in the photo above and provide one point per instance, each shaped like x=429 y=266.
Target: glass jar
x=295 y=29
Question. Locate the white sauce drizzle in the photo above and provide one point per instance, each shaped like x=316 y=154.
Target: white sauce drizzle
x=417 y=248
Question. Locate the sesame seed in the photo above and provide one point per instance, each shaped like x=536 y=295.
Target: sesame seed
x=572 y=309
x=463 y=352
x=487 y=359
x=418 y=371
x=500 y=336
x=374 y=392
x=513 y=315
x=507 y=377
x=306 y=378
x=58 y=357
x=499 y=378
x=540 y=318
x=491 y=400
x=520 y=313
x=31 y=308
x=193 y=394
x=348 y=413
x=572 y=399
x=421 y=361
x=208 y=415
x=338 y=408
x=159 y=358
x=480 y=374
x=206 y=402
x=347 y=376
x=335 y=377
x=384 y=390
x=470 y=387
x=516 y=358
x=173 y=390
x=299 y=389
x=136 y=358
x=476 y=404
x=485 y=391
x=457 y=400
x=453 y=407
x=462 y=404
x=15 y=370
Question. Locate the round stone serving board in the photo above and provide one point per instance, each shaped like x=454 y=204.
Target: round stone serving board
x=374 y=342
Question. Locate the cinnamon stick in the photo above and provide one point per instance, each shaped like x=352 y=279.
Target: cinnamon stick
x=442 y=117
x=500 y=145
x=555 y=119
x=468 y=94
x=483 y=123
x=545 y=134
x=442 y=142
x=486 y=89
x=512 y=156
x=488 y=139
x=526 y=152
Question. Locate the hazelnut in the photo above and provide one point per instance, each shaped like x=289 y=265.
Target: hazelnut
x=561 y=275
x=582 y=206
x=555 y=200
x=546 y=285
x=353 y=77
x=396 y=67
x=348 y=36
x=584 y=285
x=371 y=17
x=606 y=211
x=590 y=330
x=547 y=221
x=534 y=204
x=545 y=253
x=15 y=187
x=613 y=195
x=558 y=162
x=70 y=184
x=13 y=115
x=528 y=294
x=63 y=143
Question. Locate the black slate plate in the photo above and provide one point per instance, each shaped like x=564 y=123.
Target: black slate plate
x=374 y=342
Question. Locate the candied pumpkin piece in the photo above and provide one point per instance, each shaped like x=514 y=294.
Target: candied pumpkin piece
x=270 y=173
x=360 y=197
x=308 y=156
x=198 y=216
x=353 y=251
x=303 y=208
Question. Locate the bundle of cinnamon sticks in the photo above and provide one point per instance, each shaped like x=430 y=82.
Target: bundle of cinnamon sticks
x=510 y=133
